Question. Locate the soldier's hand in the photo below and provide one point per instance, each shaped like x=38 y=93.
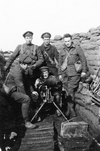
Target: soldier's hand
x=83 y=74
x=60 y=78
x=35 y=95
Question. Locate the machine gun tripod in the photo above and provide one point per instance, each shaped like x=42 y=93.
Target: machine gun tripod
x=47 y=97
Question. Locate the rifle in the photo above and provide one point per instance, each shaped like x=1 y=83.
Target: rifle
x=94 y=81
x=55 y=62
x=95 y=100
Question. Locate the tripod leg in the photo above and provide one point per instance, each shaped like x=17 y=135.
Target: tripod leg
x=60 y=111
x=37 y=111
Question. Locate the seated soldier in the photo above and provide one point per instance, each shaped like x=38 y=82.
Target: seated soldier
x=14 y=87
x=47 y=81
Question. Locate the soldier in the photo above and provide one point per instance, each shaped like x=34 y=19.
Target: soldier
x=49 y=81
x=68 y=56
x=14 y=87
x=35 y=57
x=46 y=78
x=50 y=54
x=27 y=48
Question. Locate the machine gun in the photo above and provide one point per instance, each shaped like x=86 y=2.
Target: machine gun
x=47 y=97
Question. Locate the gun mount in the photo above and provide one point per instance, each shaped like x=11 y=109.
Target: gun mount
x=47 y=97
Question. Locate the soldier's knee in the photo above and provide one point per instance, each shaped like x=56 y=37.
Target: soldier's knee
x=26 y=99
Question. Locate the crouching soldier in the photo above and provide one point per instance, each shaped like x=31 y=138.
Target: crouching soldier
x=50 y=82
x=14 y=87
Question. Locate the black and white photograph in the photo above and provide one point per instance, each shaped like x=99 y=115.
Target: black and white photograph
x=49 y=75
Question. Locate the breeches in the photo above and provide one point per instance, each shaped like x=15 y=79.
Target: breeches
x=20 y=97
x=73 y=82
x=24 y=100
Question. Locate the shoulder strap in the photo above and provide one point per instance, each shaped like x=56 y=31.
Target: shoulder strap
x=6 y=78
x=22 y=49
x=49 y=58
x=64 y=65
x=34 y=49
x=56 y=62
x=68 y=53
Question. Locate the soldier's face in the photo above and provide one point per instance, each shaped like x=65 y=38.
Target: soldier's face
x=28 y=40
x=46 y=41
x=45 y=74
x=67 y=41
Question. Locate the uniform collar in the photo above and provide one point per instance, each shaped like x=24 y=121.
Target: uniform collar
x=69 y=48
x=47 y=47
x=28 y=44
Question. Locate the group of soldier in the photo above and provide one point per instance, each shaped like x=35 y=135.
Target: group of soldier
x=28 y=61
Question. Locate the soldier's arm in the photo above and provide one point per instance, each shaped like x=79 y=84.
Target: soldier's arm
x=82 y=58
x=13 y=56
x=40 y=58
x=37 y=83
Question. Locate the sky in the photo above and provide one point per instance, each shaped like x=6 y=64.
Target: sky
x=55 y=16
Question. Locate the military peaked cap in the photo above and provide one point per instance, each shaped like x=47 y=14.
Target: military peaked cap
x=44 y=68
x=46 y=35
x=28 y=34
x=67 y=35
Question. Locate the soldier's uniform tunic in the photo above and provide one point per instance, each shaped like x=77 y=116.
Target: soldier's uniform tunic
x=28 y=49
x=53 y=54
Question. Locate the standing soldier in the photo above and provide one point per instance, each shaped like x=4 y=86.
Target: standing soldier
x=27 y=48
x=50 y=54
x=35 y=57
x=68 y=56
